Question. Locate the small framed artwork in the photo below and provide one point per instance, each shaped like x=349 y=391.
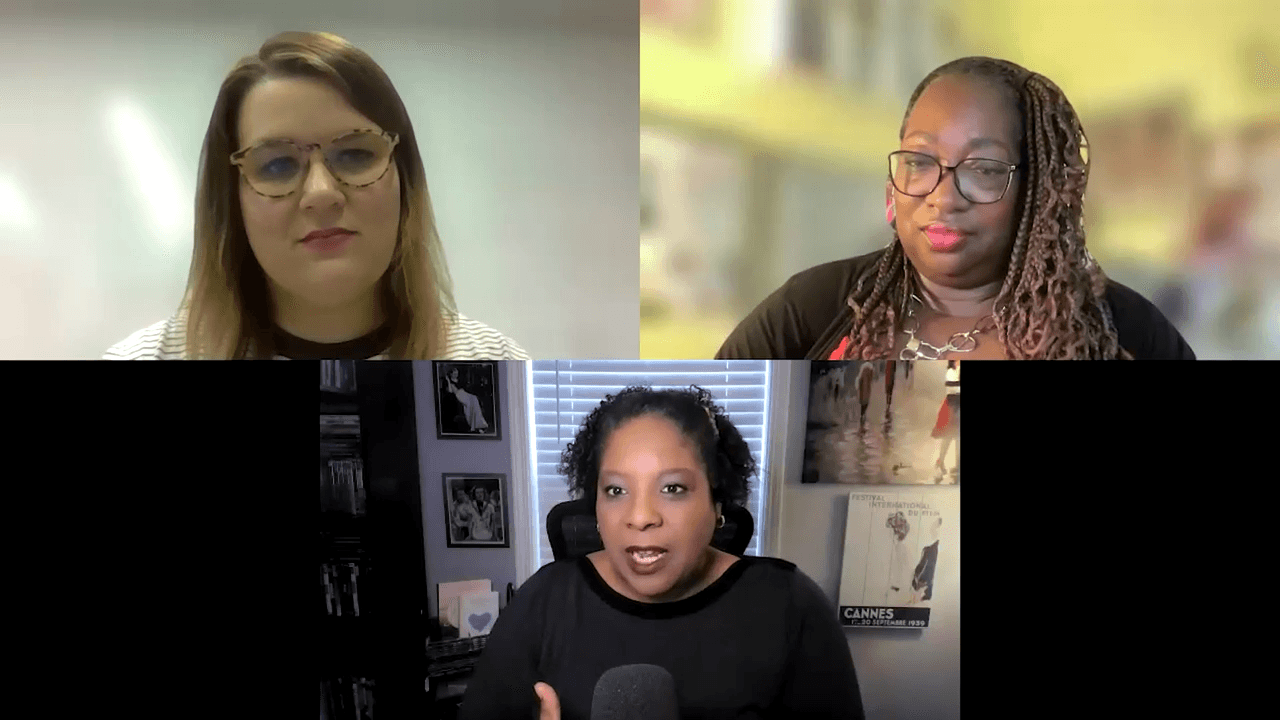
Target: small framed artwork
x=475 y=510
x=883 y=422
x=466 y=398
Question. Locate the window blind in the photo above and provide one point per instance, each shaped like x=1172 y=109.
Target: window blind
x=564 y=391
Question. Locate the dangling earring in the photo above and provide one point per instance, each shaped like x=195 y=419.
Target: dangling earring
x=890 y=216
x=720 y=522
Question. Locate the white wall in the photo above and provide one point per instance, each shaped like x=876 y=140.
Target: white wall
x=904 y=674
x=528 y=132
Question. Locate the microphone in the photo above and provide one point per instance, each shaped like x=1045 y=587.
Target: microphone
x=635 y=692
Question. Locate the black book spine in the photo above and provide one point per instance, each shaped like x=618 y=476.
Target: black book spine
x=336 y=570
x=355 y=589
x=351 y=588
x=324 y=502
x=343 y=591
x=325 y=479
x=357 y=470
x=349 y=696
x=348 y=709
x=328 y=586
x=348 y=478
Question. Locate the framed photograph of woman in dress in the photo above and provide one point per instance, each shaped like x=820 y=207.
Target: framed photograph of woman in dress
x=475 y=509
x=466 y=395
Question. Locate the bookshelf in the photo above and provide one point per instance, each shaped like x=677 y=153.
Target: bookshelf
x=451 y=662
x=373 y=586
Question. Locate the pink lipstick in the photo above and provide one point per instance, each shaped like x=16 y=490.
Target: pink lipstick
x=943 y=238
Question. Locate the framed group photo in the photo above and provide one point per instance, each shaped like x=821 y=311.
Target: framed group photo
x=466 y=400
x=475 y=509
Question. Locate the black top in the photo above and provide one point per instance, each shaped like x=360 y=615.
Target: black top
x=762 y=641
x=366 y=346
x=808 y=316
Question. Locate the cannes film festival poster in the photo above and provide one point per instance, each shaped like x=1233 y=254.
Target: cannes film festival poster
x=891 y=553
x=883 y=422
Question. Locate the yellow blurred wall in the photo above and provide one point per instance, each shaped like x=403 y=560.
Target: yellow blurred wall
x=714 y=86
x=1109 y=53
x=1103 y=53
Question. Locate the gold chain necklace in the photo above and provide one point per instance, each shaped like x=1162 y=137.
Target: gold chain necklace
x=918 y=349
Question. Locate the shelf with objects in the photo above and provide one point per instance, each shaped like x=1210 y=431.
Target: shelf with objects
x=372 y=559
x=449 y=665
x=455 y=646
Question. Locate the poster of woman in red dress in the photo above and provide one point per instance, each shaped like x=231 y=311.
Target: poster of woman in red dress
x=947 y=428
x=883 y=423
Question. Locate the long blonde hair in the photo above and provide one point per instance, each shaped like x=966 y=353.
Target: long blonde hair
x=227 y=301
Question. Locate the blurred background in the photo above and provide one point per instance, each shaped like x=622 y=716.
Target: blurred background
x=765 y=126
x=526 y=116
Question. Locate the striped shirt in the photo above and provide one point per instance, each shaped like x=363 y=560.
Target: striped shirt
x=467 y=340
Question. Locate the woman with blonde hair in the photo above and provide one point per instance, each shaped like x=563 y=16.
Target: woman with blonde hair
x=314 y=233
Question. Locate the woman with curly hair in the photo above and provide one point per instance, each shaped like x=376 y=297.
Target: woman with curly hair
x=988 y=259
x=741 y=636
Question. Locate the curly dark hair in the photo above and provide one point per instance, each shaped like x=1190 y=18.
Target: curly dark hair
x=1052 y=304
x=725 y=455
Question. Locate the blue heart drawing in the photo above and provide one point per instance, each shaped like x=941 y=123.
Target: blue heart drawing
x=479 y=622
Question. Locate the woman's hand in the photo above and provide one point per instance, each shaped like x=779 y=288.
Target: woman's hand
x=548 y=703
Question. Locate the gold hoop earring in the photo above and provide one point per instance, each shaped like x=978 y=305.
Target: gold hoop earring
x=720 y=522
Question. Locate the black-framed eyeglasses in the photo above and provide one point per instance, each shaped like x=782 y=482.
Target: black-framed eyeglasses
x=979 y=180
x=276 y=168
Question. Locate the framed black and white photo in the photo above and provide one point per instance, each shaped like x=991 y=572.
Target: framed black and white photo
x=466 y=398
x=475 y=510
x=891 y=555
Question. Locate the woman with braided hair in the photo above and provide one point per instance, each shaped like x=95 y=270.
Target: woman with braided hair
x=988 y=258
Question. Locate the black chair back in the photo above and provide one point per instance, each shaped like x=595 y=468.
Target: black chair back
x=571 y=528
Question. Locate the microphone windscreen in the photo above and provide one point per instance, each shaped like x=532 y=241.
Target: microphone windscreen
x=635 y=692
